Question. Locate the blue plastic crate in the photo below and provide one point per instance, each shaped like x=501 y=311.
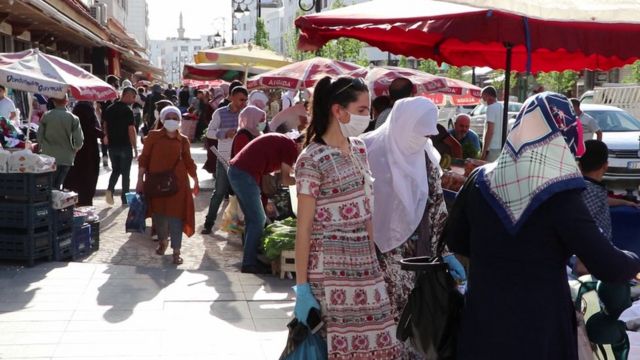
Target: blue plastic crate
x=25 y=215
x=25 y=245
x=26 y=186
x=63 y=246
x=62 y=219
x=81 y=240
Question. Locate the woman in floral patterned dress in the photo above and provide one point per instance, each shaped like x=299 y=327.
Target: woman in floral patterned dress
x=336 y=261
x=409 y=206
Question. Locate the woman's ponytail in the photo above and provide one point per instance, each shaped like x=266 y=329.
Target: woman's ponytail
x=319 y=111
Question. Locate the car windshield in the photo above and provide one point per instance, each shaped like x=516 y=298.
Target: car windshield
x=613 y=120
x=514 y=107
x=479 y=110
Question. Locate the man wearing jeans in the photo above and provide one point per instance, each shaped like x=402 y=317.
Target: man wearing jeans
x=60 y=136
x=120 y=136
x=267 y=153
x=222 y=127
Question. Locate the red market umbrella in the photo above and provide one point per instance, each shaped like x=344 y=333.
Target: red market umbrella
x=203 y=84
x=441 y=99
x=36 y=72
x=379 y=79
x=465 y=35
x=305 y=73
x=217 y=71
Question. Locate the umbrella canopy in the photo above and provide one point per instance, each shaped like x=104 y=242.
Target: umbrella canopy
x=305 y=74
x=380 y=78
x=441 y=99
x=605 y=11
x=243 y=55
x=464 y=35
x=226 y=72
x=203 y=84
x=36 y=72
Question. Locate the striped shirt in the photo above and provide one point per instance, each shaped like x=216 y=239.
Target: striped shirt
x=222 y=121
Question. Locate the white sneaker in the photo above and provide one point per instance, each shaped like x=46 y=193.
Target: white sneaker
x=108 y=196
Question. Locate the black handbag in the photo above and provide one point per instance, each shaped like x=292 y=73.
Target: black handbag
x=162 y=184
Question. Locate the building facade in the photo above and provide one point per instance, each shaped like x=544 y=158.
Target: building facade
x=137 y=22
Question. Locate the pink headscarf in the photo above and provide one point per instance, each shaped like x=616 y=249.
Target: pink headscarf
x=249 y=118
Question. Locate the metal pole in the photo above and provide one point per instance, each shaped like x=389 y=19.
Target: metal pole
x=507 y=86
x=259 y=10
x=473 y=75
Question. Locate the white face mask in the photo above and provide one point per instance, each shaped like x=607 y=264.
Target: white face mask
x=171 y=125
x=415 y=143
x=262 y=125
x=357 y=125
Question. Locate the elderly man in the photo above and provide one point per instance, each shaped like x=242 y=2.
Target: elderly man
x=466 y=137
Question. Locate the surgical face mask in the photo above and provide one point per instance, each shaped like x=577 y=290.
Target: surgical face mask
x=357 y=125
x=261 y=126
x=416 y=143
x=171 y=125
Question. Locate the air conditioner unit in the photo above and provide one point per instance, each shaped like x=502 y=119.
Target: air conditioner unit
x=105 y=14
x=96 y=12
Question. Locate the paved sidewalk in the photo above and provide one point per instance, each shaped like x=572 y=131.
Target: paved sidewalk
x=126 y=302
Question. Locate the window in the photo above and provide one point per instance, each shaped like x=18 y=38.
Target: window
x=196 y=48
x=184 y=48
x=175 y=48
x=244 y=26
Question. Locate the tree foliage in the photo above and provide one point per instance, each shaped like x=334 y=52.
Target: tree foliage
x=429 y=66
x=498 y=81
x=341 y=49
x=262 y=36
x=560 y=82
x=634 y=77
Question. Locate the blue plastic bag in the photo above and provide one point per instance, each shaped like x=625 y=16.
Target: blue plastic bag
x=312 y=348
x=137 y=213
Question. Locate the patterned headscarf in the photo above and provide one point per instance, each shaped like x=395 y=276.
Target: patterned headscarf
x=537 y=161
x=249 y=118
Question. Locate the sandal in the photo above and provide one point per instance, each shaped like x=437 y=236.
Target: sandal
x=177 y=260
x=162 y=247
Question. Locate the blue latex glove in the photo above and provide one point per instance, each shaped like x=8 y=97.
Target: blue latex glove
x=455 y=268
x=304 y=302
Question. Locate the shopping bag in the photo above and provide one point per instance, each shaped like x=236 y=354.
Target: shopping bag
x=303 y=342
x=233 y=218
x=137 y=213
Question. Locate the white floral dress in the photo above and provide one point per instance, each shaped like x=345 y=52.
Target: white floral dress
x=343 y=270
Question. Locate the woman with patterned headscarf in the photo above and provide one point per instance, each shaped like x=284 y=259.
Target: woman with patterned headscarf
x=519 y=219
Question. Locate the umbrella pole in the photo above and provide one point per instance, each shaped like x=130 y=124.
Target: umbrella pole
x=27 y=143
x=246 y=74
x=507 y=86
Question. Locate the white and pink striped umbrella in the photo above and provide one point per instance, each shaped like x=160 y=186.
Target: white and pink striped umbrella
x=305 y=74
x=36 y=72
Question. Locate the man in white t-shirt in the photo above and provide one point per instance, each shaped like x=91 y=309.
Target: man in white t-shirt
x=492 y=144
x=7 y=107
x=589 y=124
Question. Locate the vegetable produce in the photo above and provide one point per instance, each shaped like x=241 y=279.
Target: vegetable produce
x=281 y=235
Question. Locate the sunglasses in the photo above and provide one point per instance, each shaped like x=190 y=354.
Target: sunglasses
x=355 y=82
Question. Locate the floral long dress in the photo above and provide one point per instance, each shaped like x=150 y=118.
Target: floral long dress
x=343 y=269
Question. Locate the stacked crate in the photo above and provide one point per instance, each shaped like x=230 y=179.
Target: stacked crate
x=25 y=216
x=62 y=234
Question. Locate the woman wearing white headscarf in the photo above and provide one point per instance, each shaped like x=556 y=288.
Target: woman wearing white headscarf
x=409 y=210
x=166 y=149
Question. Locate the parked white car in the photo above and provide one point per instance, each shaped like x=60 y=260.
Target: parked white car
x=479 y=115
x=621 y=133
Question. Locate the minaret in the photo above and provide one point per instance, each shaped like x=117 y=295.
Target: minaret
x=181 y=28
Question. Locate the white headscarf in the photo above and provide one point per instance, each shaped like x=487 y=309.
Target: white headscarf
x=401 y=187
x=168 y=110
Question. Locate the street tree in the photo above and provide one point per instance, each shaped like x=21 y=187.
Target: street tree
x=560 y=82
x=261 y=37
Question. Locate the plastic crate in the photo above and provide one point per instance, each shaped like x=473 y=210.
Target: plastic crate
x=63 y=246
x=62 y=220
x=81 y=240
x=95 y=235
x=26 y=186
x=25 y=245
x=25 y=215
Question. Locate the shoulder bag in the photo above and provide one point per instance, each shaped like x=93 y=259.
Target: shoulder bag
x=164 y=183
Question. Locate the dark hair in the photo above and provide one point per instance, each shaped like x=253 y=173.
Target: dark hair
x=113 y=81
x=575 y=102
x=234 y=84
x=343 y=91
x=129 y=89
x=2 y=87
x=381 y=103
x=239 y=89
x=490 y=90
x=400 y=88
x=162 y=104
x=595 y=155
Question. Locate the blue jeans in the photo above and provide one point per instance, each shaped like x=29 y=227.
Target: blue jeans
x=60 y=175
x=219 y=193
x=168 y=226
x=248 y=194
x=121 y=158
